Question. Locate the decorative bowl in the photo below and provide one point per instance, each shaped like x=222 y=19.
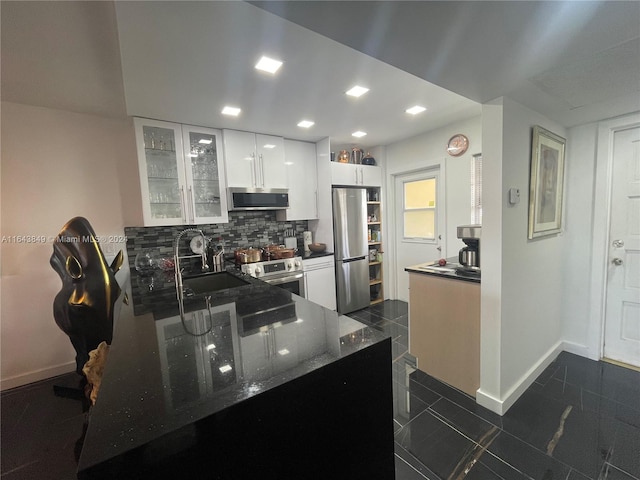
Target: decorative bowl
x=317 y=247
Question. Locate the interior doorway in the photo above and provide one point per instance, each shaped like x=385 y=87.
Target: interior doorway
x=621 y=340
x=419 y=222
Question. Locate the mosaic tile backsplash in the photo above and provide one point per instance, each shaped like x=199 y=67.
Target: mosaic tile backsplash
x=244 y=229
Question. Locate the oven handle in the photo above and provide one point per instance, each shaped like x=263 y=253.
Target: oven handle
x=287 y=279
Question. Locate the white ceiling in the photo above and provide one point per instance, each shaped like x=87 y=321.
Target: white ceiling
x=574 y=62
x=186 y=61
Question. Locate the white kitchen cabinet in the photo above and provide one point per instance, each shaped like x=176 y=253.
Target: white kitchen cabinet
x=351 y=174
x=300 y=160
x=320 y=281
x=254 y=160
x=181 y=173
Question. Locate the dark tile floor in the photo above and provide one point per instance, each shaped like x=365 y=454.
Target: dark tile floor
x=579 y=420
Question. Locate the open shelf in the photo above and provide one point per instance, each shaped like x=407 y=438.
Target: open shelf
x=374 y=224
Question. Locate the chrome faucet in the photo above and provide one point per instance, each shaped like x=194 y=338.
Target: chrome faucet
x=177 y=257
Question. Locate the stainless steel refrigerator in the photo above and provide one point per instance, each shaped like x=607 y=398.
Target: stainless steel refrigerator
x=351 y=249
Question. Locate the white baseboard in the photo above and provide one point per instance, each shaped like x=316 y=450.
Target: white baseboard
x=487 y=401
x=42 y=374
x=500 y=406
x=580 y=349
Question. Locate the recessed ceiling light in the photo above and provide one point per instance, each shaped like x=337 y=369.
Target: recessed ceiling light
x=415 y=110
x=359 y=134
x=205 y=141
x=284 y=351
x=269 y=145
x=225 y=368
x=306 y=123
x=357 y=91
x=233 y=111
x=267 y=64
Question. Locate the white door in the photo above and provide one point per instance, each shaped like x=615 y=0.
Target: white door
x=622 y=314
x=419 y=218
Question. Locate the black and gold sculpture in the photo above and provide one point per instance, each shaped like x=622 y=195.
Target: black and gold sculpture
x=84 y=307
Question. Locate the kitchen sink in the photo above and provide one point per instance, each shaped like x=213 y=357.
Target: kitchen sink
x=212 y=282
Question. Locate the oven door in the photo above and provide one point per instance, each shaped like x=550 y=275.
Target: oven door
x=293 y=283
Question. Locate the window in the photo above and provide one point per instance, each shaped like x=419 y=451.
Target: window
x=476 y=189
x=420 y=209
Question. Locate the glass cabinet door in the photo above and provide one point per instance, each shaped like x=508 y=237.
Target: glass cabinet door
x=206 y=195
x=161 y=172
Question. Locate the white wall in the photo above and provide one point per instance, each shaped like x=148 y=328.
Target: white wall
x=579 y=198
x=525 y=277
x=589 y=160
x=491 y=285
x=429 y=150
x=55 y=165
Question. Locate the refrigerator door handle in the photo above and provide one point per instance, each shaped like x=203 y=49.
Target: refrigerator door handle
x=354 y=259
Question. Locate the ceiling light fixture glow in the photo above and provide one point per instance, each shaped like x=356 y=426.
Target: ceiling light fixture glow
x=205 y=141
x=284 y=351
x=269 y=145
x=233 y=111
x=357 y=91
x=359 y=134
x=267 y=64
x=225 y=368
x=415 y=110
x=306 y=123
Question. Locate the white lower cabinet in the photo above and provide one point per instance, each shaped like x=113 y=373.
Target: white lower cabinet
x=300 y=159
x=351 y=174
x=320 y=281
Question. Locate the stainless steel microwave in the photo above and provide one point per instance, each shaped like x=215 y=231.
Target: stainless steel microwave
x=258 y=198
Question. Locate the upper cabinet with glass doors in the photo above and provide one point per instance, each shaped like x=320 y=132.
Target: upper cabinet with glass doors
x=181 y=173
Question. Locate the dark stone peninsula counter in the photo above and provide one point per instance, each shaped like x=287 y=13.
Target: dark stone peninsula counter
x=450 y=270
x=255 y=382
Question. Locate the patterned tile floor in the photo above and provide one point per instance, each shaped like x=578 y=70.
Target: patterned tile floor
x=579 y=420
x=440 y=432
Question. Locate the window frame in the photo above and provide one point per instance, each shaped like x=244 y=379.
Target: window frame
x=422 y=240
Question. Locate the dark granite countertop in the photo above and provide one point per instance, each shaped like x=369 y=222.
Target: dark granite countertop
x=450 y=270
x=163 y=374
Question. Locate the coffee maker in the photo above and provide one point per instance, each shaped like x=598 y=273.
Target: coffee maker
x=469 y=256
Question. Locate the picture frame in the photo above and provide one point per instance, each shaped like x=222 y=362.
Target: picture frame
x=546 y=183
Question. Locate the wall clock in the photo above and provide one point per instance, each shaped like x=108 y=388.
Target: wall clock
x=457 y=145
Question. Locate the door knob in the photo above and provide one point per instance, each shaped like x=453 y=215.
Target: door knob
x=618 y=243
x=617 y=261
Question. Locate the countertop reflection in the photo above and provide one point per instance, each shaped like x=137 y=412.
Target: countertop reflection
x=164 y=373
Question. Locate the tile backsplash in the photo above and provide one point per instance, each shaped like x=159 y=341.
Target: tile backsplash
x=250 y=228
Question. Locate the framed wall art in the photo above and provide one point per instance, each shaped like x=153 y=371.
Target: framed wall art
x=546 y=182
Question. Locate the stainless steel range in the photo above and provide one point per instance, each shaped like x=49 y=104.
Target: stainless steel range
x=287 y=273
